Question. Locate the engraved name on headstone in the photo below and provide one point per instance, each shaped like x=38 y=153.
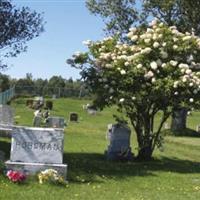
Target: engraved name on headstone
x=37 y=145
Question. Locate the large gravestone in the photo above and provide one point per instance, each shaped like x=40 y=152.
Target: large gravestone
x=55 y=122
x=119 y=138
x=36 y=149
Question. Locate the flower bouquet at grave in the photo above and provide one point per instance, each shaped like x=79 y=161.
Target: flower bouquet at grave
x=16 y=176
x=50 y=176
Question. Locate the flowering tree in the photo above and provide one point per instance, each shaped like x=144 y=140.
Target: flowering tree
x=156 y=70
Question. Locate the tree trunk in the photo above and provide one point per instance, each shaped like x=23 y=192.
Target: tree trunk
x=145 y=149
x=179 y=118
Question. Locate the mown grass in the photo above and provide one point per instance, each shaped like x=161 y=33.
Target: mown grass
x=173 y=174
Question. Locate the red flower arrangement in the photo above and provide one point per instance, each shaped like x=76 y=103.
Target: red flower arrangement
x=16 y=176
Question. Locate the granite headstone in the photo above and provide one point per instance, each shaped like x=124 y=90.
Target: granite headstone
x=36 y=149
x=119 y=139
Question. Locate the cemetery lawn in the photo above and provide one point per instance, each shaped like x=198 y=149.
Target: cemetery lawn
x=173 y=174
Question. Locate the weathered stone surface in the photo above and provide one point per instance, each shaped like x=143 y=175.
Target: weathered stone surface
x=37 y=145
x=6 y=115
x=33 y=168
x=55 y=122
x=119 y=137
x=37 y=121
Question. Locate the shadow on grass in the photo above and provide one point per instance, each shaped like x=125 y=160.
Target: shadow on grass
x=5 y=147
x=87 y=166
x=185 y=133
x=93 y=167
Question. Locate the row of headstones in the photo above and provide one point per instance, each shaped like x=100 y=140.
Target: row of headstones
x=39 y=102
x=36 y=149
x=55 y=122
x=33 y=149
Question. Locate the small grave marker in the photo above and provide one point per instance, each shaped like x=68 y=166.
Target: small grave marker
x=73 y=117
x=6 y=120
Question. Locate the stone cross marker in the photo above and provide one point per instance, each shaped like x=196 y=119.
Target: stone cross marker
x=119 y=138
x=36 y=149
x=55 y=122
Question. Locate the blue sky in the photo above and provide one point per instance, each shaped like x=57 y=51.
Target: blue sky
x=68 y=24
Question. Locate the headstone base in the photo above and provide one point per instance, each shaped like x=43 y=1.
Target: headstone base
x=120 y=155
x=33 y=168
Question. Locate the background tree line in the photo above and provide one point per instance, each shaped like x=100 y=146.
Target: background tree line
x=56 y=85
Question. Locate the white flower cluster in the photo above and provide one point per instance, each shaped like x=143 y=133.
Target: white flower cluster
x=49 y=175
x=158 y=52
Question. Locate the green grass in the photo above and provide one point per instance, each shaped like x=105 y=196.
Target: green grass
x=173 y=174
